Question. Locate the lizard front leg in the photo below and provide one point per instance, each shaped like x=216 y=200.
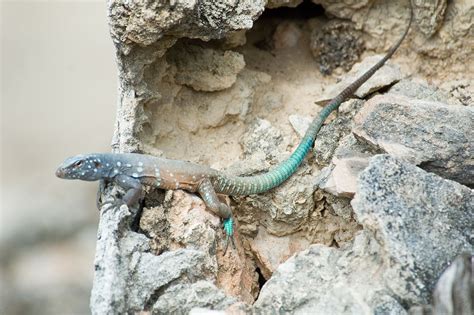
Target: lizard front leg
x=208 y=194
x=133 y=186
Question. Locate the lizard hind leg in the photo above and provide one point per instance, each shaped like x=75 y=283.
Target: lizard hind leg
x=209 y=196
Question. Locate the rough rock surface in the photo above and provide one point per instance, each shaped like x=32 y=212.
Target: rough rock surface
x=230 y=108
x=119 y=255
x=406 y=127
x=429 y=15
x=336 y=44
x=454 y=290
x=386 y=75
x=422 y=220
x=411 y=129
x=205 y=69
x=394 y=262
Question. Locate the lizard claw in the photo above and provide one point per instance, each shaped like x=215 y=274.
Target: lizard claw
x=229 y=231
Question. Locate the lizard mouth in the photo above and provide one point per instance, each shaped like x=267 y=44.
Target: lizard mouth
x=60 y=173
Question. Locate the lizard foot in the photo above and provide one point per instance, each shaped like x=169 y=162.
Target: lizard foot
x=229 y=231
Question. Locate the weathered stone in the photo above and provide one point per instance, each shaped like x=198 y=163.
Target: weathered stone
x=205 y=69
x=336 y=44
x=155 y=113
x=393 y=262
x=182 y=298
x=412 y=129
x=419 y=91
x=350 y=158
x=145 y=22
x=271 y=4
x=385 y=76
x=421 y=220
x=429 y=15
x=287 y=35
x=121 y=251
x=461 y=91
x=324 y=280
x=300 y=124
x=182 y=221
x=455 y=288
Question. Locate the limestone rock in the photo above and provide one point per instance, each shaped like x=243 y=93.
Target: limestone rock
x=429 y=15
x=182 y=298
x=419 y=91
x=421 y=220
x=412 y=129
x=385 y=76
x=287 y=35
x=300 y=124
x=455 y=288
x=205 y=69
x=122 y=251
x=145 y=22
x=387 y=267
x=182 y=221
x=324 y=280
x=271 y=4
x=336 y=44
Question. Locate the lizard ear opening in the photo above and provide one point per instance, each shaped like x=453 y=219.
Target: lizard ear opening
x=97 y=164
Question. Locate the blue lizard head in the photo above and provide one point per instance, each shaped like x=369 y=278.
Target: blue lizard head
x=83 y=167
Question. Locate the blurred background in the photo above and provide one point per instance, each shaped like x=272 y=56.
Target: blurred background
x=58 y=96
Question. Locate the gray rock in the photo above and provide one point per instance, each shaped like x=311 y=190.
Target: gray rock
x=429 y=15
x=419 y=91
x=182 y=298
x=414 y=224
x=412 y=129
x=336 y=44
x=454 y=291
x=205 y=69
x=385 y=76
x=324 y=280
x=300 y=124
x=144 y=22
x=422 y=221
x=127 y=276
x=330 y=135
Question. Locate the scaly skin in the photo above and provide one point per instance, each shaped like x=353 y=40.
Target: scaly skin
x=131 y=171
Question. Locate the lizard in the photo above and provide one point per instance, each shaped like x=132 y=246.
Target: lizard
x=132 y=171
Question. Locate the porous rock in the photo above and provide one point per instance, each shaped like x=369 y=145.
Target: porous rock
x=336 y=44
x=271 y=4
x=205 y=69
x=182 y=298
x=407 y=127
x=429 y=15
x=182 y=221
x=387 y=267
x=387 y=75
x=145 y=22
x=412 y=129
x=420 y=219
x=121 y=251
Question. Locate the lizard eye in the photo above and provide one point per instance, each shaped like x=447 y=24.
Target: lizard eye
x=78 y=164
